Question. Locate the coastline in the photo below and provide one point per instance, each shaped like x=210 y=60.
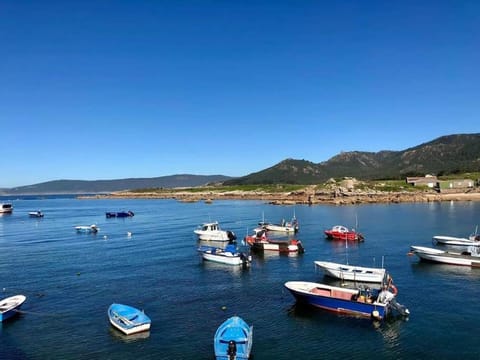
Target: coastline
x=304 y=197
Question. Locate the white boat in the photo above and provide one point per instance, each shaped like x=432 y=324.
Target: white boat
x=128 y=319
x=6 y=208
x=352 y=273
x=10 y=306
x=212 y=231
x=465 y=258
x=472 y=240
x=290 y=227
x=229 y=255
x=87 y=229
x=35 y=214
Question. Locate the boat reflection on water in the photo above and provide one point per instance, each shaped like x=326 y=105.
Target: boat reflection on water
x=129 y=338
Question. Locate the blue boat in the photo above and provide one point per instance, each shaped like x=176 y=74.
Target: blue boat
x=362 y=302
x=10 y=306
x=120 y=214
x=233 y=340
x=128 y=319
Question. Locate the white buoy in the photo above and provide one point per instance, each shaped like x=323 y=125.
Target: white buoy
x=129 y=234
x=105 y=237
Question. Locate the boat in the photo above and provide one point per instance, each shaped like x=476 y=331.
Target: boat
x=362 y=302
x=261 y=242
x=6 y=208
x=352 y=273
x=36 y=214
x=233 y=340
x=229 y=255
x=87 y=229
x=120 y=214
x=128 y=319
x=11 y=306
x=472 y=240
x=290 y=227
x=212 y=231
x=340 y=232
x=464 y=258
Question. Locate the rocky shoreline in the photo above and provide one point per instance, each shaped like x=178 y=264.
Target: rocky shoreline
x=307 y=196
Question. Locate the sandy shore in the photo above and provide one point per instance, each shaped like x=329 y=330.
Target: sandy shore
x=299 y=197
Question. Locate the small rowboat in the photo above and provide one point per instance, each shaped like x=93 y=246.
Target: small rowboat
x=233 y=340
x=10 y=306
x=128 y=319
x=87 y=229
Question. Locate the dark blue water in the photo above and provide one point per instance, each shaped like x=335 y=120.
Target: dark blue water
x=70 y=280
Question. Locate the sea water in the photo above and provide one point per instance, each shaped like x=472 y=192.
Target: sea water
x=150 y=261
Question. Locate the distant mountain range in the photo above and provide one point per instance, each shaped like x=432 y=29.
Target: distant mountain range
x=446 y=155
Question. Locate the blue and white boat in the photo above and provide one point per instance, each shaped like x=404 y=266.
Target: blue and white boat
x=233 y=340
x=229 y=255
x=128 y=319
x=87 y=229
x=35 y=214
x=10 y=306
x=362 y=302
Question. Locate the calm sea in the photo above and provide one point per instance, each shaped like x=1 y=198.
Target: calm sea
x=70 y=280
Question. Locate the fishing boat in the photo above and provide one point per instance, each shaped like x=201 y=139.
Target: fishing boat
x=290 y=227
x=120 y=214
x=464 y=258
x=472 y=240
x=229 y=255
x=87 y=229
x=340 y=232
x=11 y=306
x=35 y=214
x=128 y=319
x=212 y=231
x=233 y=340
x=6 y=208
x=352 y=273
x=261 y=242
x=362 y=301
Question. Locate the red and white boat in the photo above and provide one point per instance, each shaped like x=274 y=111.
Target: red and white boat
x=340 y=232
x=260 y=242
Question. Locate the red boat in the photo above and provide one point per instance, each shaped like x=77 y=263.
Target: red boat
x=340 y=232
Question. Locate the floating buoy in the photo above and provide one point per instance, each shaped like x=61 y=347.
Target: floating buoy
x=224 y=307
x=375 y=314
x=129 y=234
x=105 y=237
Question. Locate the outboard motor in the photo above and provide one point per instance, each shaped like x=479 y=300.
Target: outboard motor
x=401 y=309
x=232 y=349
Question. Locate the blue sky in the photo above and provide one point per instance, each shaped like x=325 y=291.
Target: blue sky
x=118 y=89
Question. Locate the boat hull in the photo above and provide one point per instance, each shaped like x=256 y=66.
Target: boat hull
x=456 y=241
x=127 y=319
x=6 y=208
x=288 y=246
x=339 y=300
x=225 y=258
x=352 y=273
x=446 y=257
x=10 y=306
x=237 y=330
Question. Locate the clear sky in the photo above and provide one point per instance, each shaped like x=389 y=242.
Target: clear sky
x=104 y=89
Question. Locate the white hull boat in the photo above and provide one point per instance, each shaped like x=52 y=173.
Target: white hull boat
x=464 y=258
x=352 y=273
x=212 y=232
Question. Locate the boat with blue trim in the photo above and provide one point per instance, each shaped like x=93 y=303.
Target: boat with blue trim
x=10 y=306
x=233 y=340
x=128 y=319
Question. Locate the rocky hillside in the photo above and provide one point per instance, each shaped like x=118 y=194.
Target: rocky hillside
x=446 y=155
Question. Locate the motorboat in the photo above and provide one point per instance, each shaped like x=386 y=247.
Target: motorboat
x=233 y=340
x=260 y=242
x=11 y=306
x=87 y=229
x=229 y=255
x=212 y=231
x=361 y=301
x=6 y=208
x=340 y=232
x=120 y=214
x=472 y=240
x=464 y=258
x=289 y=227
x=128 y=319
x=352 y=273
x=35 y=214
